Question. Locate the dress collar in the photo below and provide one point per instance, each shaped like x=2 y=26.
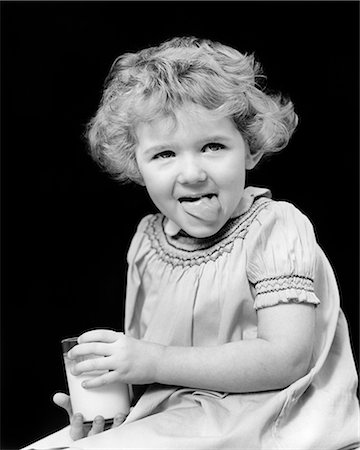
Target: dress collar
x=250 y=195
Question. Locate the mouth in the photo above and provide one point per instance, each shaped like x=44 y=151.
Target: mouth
x=195 y=198
x=205 y=207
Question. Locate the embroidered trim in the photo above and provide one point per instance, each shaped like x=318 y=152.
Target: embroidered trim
x=188 y=251
x=283 y=283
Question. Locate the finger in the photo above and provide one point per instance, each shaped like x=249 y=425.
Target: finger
x=99 y=336
x=94 y=348
x=97 y=426
x=102 y=380
x=76 y=427
x=63 y=400
x=92 y=364
x=118 y=420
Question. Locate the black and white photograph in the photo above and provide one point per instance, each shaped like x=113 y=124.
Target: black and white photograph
x=180 y=225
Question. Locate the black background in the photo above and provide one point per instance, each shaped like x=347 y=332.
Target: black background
x=66 y=226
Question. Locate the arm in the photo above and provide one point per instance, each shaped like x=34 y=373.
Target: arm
x=279 y=355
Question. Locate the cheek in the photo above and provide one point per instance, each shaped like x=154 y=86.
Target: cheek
x=147 y=176
x=232 y=176
x=157 y=188
x=233 y=187
x=158 y=181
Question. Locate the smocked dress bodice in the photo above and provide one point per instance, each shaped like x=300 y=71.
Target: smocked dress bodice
x=209 y=289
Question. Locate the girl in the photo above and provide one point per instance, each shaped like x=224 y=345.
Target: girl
x=233 y=324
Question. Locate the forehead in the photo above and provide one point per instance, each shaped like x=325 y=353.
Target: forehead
x=186 y=122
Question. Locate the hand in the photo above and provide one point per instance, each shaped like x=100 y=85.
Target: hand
x=78 y=429
x=128 y=360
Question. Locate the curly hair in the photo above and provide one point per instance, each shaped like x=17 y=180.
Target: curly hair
x=156 y=81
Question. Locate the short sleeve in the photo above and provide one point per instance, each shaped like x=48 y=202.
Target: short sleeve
x=281 y=256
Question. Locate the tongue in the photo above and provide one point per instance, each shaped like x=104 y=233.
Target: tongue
x=205 y=208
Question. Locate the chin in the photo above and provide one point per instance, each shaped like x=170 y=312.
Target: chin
x=202 y=231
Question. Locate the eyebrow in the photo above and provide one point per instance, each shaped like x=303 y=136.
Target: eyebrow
x=171 y=145
x=217 y=137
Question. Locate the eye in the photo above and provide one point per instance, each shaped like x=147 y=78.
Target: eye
x=164 y=155
x=213 y=147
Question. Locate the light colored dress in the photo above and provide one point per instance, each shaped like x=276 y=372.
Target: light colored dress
x=191 y=292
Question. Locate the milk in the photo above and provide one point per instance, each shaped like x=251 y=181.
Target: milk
x=106 y=401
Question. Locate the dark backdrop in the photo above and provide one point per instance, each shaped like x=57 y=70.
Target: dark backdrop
x=66 y=226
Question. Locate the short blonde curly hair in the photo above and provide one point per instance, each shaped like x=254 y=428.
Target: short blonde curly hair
x=154 y=82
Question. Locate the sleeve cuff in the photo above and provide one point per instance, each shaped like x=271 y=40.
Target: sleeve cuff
x=284 y=289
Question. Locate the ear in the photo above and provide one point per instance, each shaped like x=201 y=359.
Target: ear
x=251 y=159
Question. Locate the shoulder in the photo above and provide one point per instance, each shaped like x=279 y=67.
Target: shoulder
x=148 y=225
x=280 y=231
x=281 y=255
x=282 y=218
x=280 y=210
x=147 y=221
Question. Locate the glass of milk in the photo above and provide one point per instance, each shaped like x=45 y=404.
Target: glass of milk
x=106 y=401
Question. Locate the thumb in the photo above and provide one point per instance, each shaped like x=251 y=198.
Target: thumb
x=118 y=420
x=63 y=400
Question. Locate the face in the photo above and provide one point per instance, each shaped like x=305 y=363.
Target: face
x=193 y=168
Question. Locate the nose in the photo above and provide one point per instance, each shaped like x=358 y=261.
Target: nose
x=191 y=170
